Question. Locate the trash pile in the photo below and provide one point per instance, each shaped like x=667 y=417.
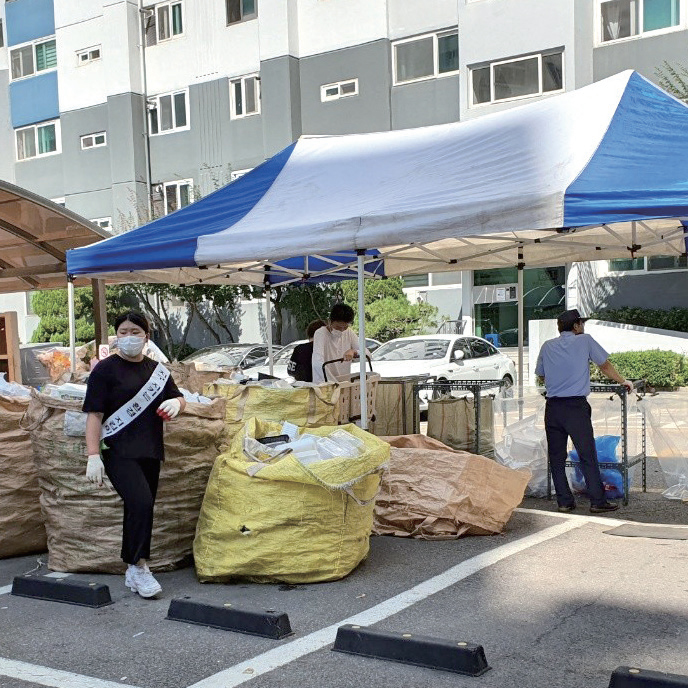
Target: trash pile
x=83 y=521
x=521 y=442
x=285 y=515
x=433 y=492
x=21 y=522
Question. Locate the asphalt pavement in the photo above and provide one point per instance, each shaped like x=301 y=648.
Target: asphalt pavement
x=554 y=600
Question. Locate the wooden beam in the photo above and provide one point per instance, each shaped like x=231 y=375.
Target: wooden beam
x=99 y=312
x=26 y=278
x=30 y=239
x=8 y=270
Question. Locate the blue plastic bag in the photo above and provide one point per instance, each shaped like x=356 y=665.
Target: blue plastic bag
x=611 y=479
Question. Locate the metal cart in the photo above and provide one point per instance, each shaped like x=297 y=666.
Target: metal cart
x=627 y=462
x=475 y=387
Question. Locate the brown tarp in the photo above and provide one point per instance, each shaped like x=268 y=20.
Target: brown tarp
x=84 y=522
x=435 y=493
x=21 y=522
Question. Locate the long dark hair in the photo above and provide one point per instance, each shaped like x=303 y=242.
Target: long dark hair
x=133 y=317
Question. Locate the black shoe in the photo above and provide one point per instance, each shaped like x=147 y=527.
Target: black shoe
x=566 y=508
x=603 y=508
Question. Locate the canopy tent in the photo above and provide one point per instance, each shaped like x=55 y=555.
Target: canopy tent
x=597 y=173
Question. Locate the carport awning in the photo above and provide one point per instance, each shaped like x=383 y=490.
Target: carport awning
x=35 y=234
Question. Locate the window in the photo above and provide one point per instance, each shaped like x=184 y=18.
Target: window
x=666 y=262
x=93 y=140
x=169 y=20
x=426 y=57
x=163 y=21
x=38 y=140
x=240 y=10
x=625 y=264
x=103 y=222
x=245 y=96
x=178 y=195
x=462 y=345
x=341 y=89
x=30 y=59
x=524 y=76
x=168 y=112
x=89 y=55
x=480 y=348
x=416 y=281
x=626 y=18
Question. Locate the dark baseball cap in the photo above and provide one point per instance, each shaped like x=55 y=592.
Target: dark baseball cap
x=569 y=318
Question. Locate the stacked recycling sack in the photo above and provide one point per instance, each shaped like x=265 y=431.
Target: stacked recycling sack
x=433 y=492
x=277 y=518
x=21 y=523
x=305 y=405
x=452 y=421
x=83 y=521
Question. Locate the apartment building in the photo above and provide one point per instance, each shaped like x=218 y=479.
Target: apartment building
x=121 y=108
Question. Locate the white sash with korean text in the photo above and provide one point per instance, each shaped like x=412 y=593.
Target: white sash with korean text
x=138 y=404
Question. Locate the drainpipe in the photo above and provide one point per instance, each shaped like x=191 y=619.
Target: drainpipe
x=146 y=131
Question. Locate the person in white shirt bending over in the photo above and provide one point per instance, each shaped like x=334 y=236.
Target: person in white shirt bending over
x=335 y=341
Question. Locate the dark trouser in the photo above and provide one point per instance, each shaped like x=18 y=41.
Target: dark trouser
x=571 y=417
x=136 y=482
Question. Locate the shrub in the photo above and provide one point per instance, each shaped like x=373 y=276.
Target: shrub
x=658 y=368
x=672 y=319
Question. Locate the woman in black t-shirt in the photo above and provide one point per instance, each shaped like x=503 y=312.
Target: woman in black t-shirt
x=131 y=457
x=299 y=365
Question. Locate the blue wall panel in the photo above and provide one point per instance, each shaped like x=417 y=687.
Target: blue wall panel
x=34 y=99
x=29 y=19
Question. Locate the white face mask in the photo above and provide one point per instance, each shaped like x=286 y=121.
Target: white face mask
x=131 y=346
x=336 y=335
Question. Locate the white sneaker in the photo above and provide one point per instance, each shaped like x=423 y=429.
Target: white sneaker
x=139 y=579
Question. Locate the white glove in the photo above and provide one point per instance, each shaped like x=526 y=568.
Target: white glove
x=95 y=470
x=169 y=409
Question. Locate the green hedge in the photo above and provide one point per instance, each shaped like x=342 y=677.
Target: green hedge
x=672 y=319
x=658 y=368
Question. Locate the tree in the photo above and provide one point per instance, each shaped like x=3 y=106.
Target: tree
x=674 y=80
x=309 y=302
x=52 y=308
x=213 y=305
x=388 y=312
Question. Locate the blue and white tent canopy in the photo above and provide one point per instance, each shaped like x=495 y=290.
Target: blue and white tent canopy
x=597 y=173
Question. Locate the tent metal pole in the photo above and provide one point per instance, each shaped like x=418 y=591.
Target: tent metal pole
x=72 y=323
x=521 y=266
x=268 y=328
x=361 y=339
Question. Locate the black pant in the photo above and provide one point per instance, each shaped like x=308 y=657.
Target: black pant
x=136 y=482
x=571 y=417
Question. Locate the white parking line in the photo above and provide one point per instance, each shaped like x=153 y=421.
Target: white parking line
x=45 y=676
x=266 y=662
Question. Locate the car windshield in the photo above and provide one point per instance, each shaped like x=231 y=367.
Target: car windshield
x=283 y=356
x=412 y=350
x=218 y=357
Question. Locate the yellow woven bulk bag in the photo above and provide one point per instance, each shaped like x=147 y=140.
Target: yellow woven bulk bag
x=283 y=521
x=303 y=406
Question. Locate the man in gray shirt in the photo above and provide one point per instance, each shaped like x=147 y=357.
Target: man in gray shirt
x=564 y=363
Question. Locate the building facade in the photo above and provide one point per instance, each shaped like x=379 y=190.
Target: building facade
x=123 y=109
